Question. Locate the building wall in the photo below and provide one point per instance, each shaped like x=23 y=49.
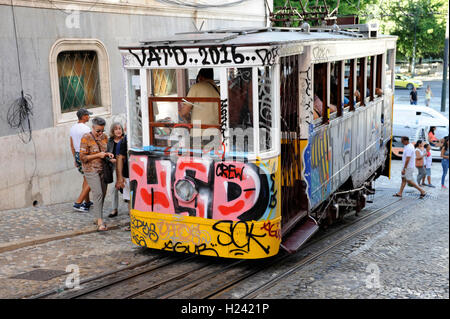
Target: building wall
x=43 y=170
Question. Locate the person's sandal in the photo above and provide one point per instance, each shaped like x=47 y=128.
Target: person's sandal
x=422 y=195
x=102 y=227
x=397 y=195
x=112 y=215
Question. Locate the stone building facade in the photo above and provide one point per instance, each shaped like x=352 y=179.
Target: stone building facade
x=58 y=37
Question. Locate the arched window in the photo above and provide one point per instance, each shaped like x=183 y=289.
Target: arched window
x=79 y=76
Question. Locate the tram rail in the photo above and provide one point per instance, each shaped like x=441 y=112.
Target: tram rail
x=219 y=291
x=211 y=272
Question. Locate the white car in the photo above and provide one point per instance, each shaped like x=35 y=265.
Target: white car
x=415 y=121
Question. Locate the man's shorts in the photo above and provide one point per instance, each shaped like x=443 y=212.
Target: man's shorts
x=78 y=162
x=428 y=171
x=409 y=174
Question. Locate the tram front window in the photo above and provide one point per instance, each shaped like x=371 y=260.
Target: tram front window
x=183 y=103
x=240 y=109
x=186 y=110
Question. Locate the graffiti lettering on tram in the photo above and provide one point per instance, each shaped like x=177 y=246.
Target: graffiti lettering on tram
x=180 y=232
x=224 y=190
x=240 y=236
x=203 y=56
x=272 y=229
x=186 y=248
x=147 y=229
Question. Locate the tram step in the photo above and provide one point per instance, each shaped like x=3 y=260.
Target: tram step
x=300 y=234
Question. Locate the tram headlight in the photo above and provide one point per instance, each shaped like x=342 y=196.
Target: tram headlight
x=185 y=190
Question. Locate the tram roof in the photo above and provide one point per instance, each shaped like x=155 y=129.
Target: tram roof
x=258 y=36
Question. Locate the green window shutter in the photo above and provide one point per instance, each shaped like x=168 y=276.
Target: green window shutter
x=72 y=94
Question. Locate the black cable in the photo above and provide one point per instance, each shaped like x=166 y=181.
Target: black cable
x=18 y=116
x=20 y=110
x=17 y=44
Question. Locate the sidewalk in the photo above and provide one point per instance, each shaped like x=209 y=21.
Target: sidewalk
x=36 y=225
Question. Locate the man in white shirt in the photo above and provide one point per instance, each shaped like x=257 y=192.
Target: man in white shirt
x=76 y=133
x=408 y=160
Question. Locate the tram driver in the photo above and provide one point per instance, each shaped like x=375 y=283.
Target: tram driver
x=206 y=112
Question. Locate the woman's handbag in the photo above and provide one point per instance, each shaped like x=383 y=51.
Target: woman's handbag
x=108 y=171
x=108 y=167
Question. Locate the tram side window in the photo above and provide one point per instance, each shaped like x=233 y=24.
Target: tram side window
x=266 y=122
x=370 y=78
x=348 y=84
x=320 y=92
x=135 y=113
x=360 y=90
x=390 y=57
x=335 y=88
x=378 y=75
x=240 y=109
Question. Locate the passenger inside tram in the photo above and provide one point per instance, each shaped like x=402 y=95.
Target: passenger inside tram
x=318 y=107
x=320 y=91
x=357 y=96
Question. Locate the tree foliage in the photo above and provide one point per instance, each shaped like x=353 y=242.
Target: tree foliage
x=401 y=18
x=422 y=19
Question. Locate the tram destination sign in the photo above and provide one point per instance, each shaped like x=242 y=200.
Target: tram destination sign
x=176 y=56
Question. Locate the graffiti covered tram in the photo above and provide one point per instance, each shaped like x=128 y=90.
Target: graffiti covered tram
x=242 y=142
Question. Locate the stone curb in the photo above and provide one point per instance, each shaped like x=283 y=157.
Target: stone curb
x=4 y=247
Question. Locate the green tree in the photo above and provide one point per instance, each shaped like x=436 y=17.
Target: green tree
x=420 y=27
x=414 y=21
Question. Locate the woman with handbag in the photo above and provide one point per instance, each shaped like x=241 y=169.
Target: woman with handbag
x=115 y=136
x=93 y=157
x=420 y=162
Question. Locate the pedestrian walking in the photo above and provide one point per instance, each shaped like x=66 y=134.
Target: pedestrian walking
x=420 y=161
x=428 y=95
x=76 y=132
x=408 y=160
x=115 y=136
x=428 y=162
x=413 y=96
x=444 y=162
x=92 y=154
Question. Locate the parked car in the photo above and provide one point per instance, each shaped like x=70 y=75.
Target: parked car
x=415 y=121
x=406 y=82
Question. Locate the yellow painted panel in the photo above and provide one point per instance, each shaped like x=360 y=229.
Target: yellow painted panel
x=202 y=236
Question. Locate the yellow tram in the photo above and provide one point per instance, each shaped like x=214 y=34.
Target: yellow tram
x=245 y=141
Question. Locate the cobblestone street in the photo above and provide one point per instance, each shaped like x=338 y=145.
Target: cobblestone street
x=404 y=256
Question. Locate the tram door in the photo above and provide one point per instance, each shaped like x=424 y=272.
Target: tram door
x=293 y=198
